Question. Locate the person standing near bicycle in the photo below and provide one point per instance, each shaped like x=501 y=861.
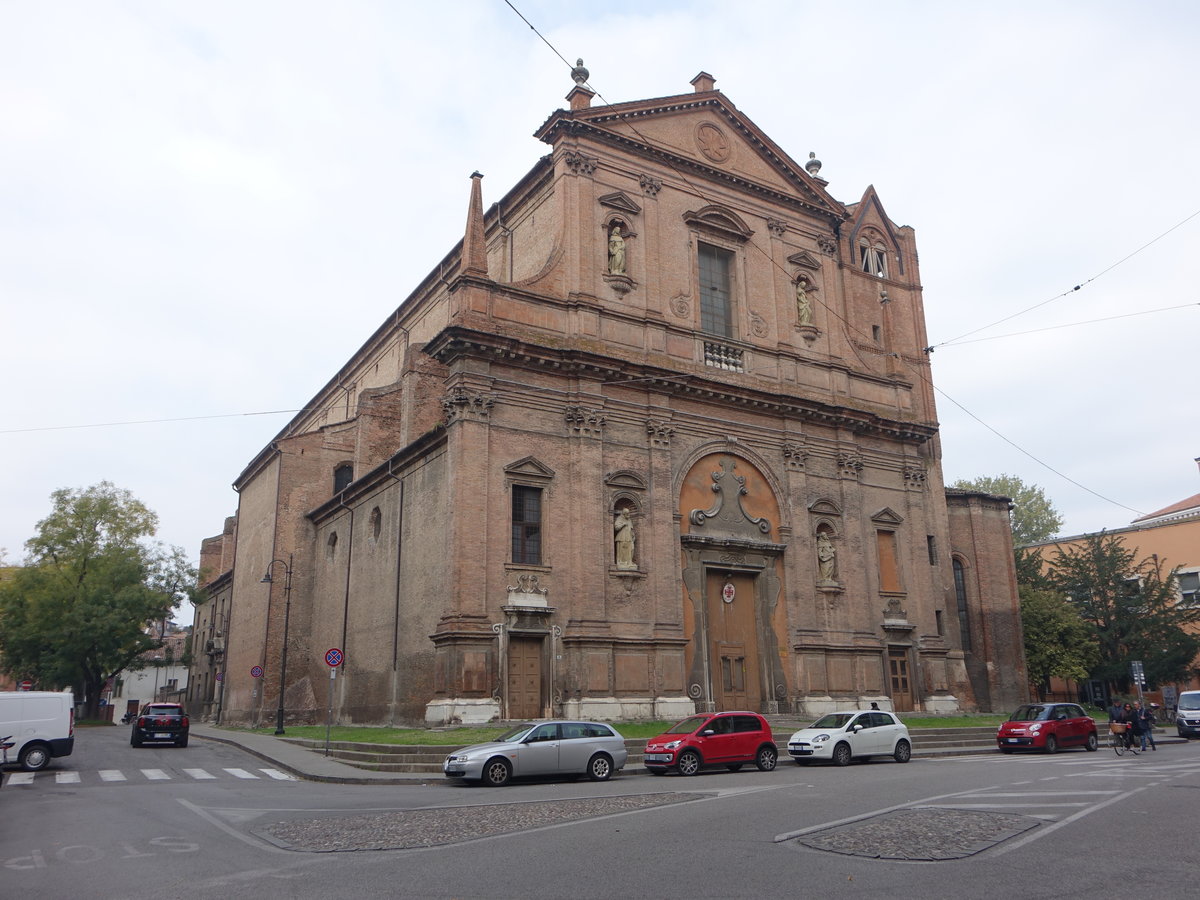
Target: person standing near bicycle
x=1145 y=716
x=1132 y=718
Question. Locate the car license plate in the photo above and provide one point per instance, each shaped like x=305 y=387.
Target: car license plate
x=799 y=751
x=656 y=757
x=1012 y=740
x=159 y=735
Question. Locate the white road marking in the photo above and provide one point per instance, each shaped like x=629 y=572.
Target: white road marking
x=156 y=775
x=199 y=774
x=241 y=773
x=277 y=775
x=66 y=777
x=112 y=775
x=21 y=778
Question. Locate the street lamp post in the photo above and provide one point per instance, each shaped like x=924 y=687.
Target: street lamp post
x=287 y=612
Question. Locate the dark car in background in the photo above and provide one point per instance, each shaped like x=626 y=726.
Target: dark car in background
x=1047 y=726
x=160 y=723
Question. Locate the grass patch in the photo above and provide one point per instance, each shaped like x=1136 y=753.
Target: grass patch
x=479 y=734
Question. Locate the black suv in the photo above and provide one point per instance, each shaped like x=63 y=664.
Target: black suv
x=160 y=722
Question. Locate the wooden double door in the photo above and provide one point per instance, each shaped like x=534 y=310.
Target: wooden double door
x=525 y=678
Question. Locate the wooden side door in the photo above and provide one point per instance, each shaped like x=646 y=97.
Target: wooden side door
x=901 y=684
x=524 y=678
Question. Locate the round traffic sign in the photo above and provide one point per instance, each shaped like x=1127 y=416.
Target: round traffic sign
x=333 y=657
x=256 y=671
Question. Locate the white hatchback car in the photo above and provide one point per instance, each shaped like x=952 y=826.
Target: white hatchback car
x=842 y=736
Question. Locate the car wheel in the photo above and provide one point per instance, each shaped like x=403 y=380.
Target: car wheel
x=842 y=754
x=135 y=741
x=34 y=757
x=600 y=767
x=689 y=762
x=903 y=752
x=734 y=767
x=497 y=772
x=182 y=742
x=767 y=758
x=1051 y=744
x=1093 y=743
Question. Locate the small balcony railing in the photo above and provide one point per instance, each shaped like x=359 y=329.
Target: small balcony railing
x=722 y=356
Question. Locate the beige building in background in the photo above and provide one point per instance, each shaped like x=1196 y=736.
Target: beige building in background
x=658 y=435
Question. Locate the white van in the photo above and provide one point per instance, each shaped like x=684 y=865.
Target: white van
x=42 y=725
x=1187 y=714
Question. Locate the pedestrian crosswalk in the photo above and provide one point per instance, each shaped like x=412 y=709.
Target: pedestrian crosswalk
x=69 y=776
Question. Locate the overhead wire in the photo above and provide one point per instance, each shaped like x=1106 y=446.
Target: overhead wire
x=1066 y=293
x=853 y=328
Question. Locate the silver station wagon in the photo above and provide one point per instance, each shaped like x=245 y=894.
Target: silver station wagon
x=560 y=747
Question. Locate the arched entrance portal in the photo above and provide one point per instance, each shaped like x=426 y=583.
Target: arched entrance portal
x=732 y=578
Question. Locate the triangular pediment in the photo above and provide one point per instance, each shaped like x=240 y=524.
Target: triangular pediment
x=804 y=260
x=619 y=201
x=703 y=132
x=529 y=467
x=887 y=516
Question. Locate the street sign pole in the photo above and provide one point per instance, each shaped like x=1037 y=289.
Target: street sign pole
x=333 y=659
x=329 y=715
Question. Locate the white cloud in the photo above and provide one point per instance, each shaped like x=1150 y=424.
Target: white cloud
x=205 y=208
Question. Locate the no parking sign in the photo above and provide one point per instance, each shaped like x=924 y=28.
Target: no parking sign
x=333 y=657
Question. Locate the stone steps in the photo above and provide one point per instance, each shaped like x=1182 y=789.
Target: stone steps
x=415 y=759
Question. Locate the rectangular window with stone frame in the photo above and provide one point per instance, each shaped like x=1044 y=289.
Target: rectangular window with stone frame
x=716 y=305
x=526 y=525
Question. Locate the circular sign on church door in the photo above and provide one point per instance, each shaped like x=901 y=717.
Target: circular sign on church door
x=728 y=592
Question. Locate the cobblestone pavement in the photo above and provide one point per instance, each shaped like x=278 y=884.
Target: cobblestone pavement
x=430 y=827
x=925 y=834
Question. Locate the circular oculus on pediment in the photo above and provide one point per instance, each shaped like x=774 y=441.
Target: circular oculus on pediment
x=713 y=143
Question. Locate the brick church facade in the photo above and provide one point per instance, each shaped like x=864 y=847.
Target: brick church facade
x=657 y=436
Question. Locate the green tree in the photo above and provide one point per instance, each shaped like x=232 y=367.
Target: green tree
x=1132 y=607
x=81 y=609
x=1032 y=518
x=1058 y=642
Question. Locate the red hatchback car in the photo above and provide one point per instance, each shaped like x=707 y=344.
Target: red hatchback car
x=729 y=739
x=1047 y=726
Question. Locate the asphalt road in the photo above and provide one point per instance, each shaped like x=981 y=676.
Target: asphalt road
x=210 y=821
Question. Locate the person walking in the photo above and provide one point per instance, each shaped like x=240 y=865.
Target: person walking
x=1147 y=717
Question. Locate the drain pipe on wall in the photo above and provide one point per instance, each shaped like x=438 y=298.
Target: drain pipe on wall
x=396 y=612
x=346 y=600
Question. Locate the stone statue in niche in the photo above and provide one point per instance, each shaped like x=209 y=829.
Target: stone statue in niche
x=804 y=313
x=826 y=560
x=623 y=534
x=616 y=251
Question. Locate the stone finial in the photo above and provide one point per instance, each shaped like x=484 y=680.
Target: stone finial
x=579 y=73
x=813 y=165
x=474 y=253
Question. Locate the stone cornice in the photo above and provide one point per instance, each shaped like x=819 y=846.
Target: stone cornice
x=454 y=343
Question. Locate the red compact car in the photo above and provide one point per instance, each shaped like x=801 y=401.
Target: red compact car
x=729 y=739
x=1047 y=726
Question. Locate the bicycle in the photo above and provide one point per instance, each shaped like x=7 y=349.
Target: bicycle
x=1119 y=739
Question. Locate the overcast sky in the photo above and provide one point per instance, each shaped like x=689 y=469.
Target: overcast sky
x=206 y=207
